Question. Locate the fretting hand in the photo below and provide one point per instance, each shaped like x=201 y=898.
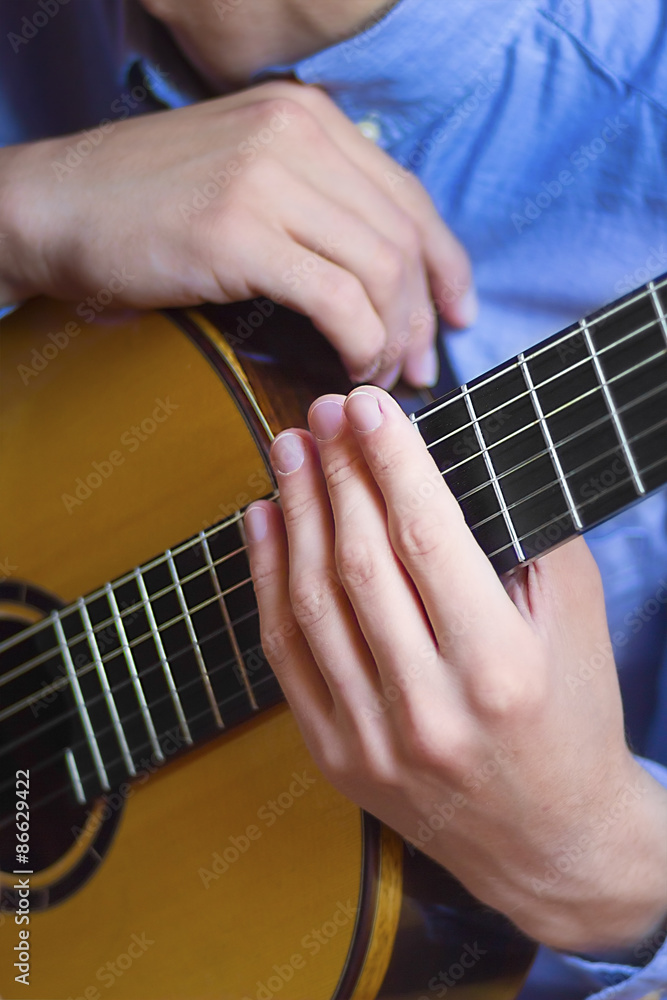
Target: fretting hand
x=439 y=698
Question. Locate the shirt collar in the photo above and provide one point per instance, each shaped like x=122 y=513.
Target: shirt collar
x=414 y=62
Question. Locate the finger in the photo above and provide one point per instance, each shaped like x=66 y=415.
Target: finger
x=287 y=272
x=464 y=599
x=448 y=265
x=382 y=253
x=283 y=642
x=319 y=603
x=384 y=599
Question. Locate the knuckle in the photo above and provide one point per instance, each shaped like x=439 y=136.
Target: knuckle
x=312 y=599
x=341 y=291
x=390 y=266
x=420 y=535
x=356 y=563
x=341 y=470
x=511 y=697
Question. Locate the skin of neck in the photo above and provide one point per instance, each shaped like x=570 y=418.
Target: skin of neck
x=228 y=41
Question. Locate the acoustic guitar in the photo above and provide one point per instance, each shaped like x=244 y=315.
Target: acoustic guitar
x=163 y=830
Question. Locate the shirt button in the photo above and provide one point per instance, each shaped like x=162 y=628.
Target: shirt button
x=370 y=128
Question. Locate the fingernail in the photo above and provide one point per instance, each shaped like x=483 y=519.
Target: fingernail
x=326 y=419
x=467 y=308
x=386 y=380
x=363 y=411
x=287 y=453
x=425 y=370
x=256 y=523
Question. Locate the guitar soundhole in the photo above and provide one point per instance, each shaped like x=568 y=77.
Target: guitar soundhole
x=40 y=723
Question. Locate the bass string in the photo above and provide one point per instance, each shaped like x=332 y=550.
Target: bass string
x=73 y=712
x=196 y=540
x=82 y=637
x=254 y=611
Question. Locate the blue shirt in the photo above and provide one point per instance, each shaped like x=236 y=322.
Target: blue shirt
x=539 y=127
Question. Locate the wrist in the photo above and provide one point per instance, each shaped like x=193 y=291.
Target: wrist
x=612 y=889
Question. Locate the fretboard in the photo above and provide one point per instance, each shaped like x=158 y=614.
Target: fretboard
x=547 y=445
x=152 y=664
x=561 y=437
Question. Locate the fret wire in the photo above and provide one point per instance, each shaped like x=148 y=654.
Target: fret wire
x=17 y=706
x=216 y=528
x=514 y=366
x=74 y=776
x=602 y=318
x=131 y=666
x=570 y=437
x=47 y=798
x=106 y=688
x=573 y=472
x=128 y=577
x=62 y=682
x=220 y=667
x=81 y=704
x=559 y=409
x=610 y=489
x=657 y=305
x=555 y=460
x=22 y=668
x=166 y=669
x=231 y=635
x=492 y=473
x=195 y=642
x=612 y=408
x=35 y=661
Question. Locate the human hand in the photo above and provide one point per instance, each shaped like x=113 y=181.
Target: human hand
x=271 y=191
x=445 y=701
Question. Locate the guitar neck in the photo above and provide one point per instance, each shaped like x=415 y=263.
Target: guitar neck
x=547 y=445
x=561 y=437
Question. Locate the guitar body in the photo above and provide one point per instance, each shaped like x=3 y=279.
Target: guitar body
x=235 y=870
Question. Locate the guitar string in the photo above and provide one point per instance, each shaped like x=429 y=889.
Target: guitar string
x=235 y=517
x=191 y=543
x=164 y=697
x=146 y=745
x=161 y=559
x=22 y=636
x=119 y=759
x=35 y=661
x=469 y=390
x=571 y=333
